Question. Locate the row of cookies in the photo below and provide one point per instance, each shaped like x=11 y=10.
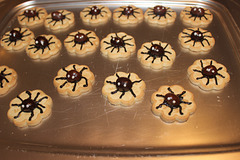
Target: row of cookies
x=124 y=15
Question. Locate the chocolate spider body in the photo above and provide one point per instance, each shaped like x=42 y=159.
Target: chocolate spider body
x=15 y=36
x=57 y=16
x=118 y=43
x=156 y=51
x=73 y=76
x=94 y=11
x=159 y=11
x=123 y=84
x=3 y=77
x=209 y=72
x=128 y=11
x=197 y=12
x=80 y=39
x=173 y=101
x=41 y=43
x=31 y=13
x=196 y=36
x=29 y=105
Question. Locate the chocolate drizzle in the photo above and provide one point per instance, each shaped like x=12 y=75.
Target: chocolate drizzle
x=3 y=77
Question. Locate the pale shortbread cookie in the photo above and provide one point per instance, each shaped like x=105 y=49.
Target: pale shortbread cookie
x=156 y=54
x=118 y=46
x=16 y=39
x=196 y=16
x=196 y=39
x=208 y=74
x=128 y=15
x=43 y=47
x=8 y=79
x=160 y=15
x=124 y=88
x=29 y=108
x=173 y=103
x=95 y=15
x=32 y=17
x=81 y=42
x=59 y=20
x=74 y=80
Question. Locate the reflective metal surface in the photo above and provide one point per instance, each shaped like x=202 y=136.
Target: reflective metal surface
x=89 y=125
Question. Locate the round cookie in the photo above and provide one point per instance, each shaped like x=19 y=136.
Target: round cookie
x=196 y=16
x=208 y=74
x=16 y=39
x=160 y=15
x=123 y=88
x=8 y=79
x=173 y=103
x=95 y=15
x=59 y=20
x=74 y=80
x=81 y=42
x=196 y=39
x=128 y=15
x=43 y=47
x=32 y=17
x=156 y=55
x=118 y=46
x=29 y=108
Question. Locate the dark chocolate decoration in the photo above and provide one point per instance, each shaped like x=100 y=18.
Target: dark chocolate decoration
x=117 y=42
x=197 y=12
x=41 y=42
x=157 y=50
x=123 y=84
x=57 y=16
x=209 y=71
x=73 y=76
x=28 y=105
x=172 y=99
x=30 y=13
x=81 y=38
x=95 y=10
x=3 y=77
x=197 y=36
x=159 y=10
x=15 y=35
x=128 y=11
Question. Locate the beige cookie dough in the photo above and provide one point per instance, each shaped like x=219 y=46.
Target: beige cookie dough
x=43 y=47
x=74 y=80
x=123 y=89
x=196 y=39
x=32 y=17
x=8 y=79
x=156 y=55
x=95 y=15
x=196 y=16
x=160 y=15
x=173 y=103
x=29 y=108
x=128 y=15
x=81 y=42
x=16 y=39
x=59 y=20
x=118 y=46
x=208 y=74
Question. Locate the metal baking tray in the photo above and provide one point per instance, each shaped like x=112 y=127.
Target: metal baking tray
x=89 y=125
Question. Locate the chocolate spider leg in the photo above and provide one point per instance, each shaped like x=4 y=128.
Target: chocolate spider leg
x=41 y=111
x=69 y=41
x=63 y=84
x=29 y=94
x=117 y=75
x=42 y=99
x=166 y=57
x=111 y=82
x=86 y=82
x=148 y=57
x=136 y=81
x=113 y=92
x=207 y=41
x=167 y=52
x=134 y=95
x=160 y=105
x=180 y=95
x=170 y=90
x=129 y=44
x=169 y=113
x=169 y=14
x=201 y=63
x=129 y=75
x=180 y=110
x=123 y=93
x=186 y=102
x=195 y=70
x=32 y=114
x=63 y=68
x=61 y=78
x=15 y=117
x=125 y=49
x=106 y=42
x=41 y=105
x=188 y=41
x=74 y=86
x=36 y=96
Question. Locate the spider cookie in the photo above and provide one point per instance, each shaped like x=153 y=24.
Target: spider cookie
x=32 y=17
x=8 y=79
x=196 y=39
x=173 y=103
x=128 y=15
x=43 y=47
x=123 y=88
x=208 y=74
x=74 y=80
x=156 y=55
x=118 y=46
x=29 y=108
x=196 y=16
x=81 y=42
x=16 y=39
x=160 y=15
x=58 y=20
x=95 y=15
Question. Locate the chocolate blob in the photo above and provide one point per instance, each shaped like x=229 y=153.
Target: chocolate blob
x=15 y=35
x=197 y=12
x=123 y=84
x=210 y=71
x=117 y=42
x=80 y=38
x=172 y=100
x=57 y=16
x=95 y=10
x=197 y=36
x=128 y=11
x=41 y=42
x=28 y=105
x=159 y=10
x=156 y=50
x=30 y=13
x=73 y=76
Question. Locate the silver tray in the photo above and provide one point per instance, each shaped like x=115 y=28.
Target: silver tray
x=90 y=125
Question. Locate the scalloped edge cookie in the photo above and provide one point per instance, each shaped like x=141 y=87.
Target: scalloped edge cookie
x=8 y=79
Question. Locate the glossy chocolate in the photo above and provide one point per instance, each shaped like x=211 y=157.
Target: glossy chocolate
x=210 y=71
x=197 y=12
x=57 y=16
x=28 y=105
x=80 y=38
x=95 y=10
x=197 y=36
x=159 y=10
x=30 y=13
x=15 y=35
x=128 y=11
x=172 y=100
x=156 y=50
x=123 y=84
x=117 y=42
x=73 y=76
x=41 y=42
